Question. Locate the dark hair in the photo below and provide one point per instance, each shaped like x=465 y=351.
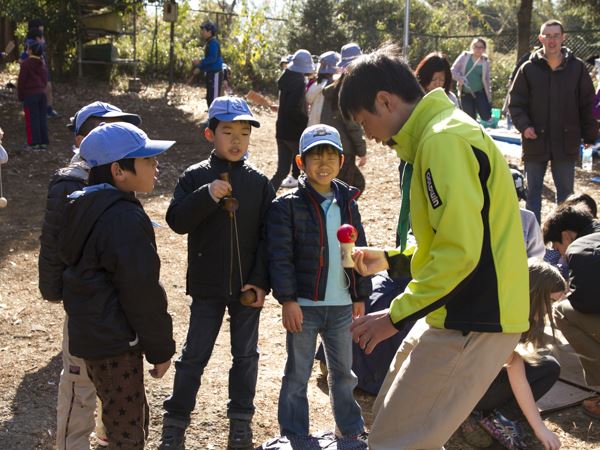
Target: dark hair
x=552 y=23
x=582 y=199
x=213 y=124
x=34 y=33
x=574 y=218
x=319 y=149
x=478 y=39
x=35 y=23
x=102 y=174
x=433 y=63
x=324 y=76
x=93 y=121
x=382 y=70
x=36 y=48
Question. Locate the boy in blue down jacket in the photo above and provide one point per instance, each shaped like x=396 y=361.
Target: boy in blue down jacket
x=318 y=295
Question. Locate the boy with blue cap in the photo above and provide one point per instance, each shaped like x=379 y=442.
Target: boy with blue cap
x=116 y=305
x=73 y=425
x=319 y=296
x=226 y=256
x=212 y=63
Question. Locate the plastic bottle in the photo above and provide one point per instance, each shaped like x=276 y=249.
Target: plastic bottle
x=586 y=158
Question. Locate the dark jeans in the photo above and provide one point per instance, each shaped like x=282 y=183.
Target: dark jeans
x=286 y=152
x=541 y=378
x=119 y=383
x=563 y=175
x=478 y=104
x=214 y=82
x=36 y=119
x=206 y=317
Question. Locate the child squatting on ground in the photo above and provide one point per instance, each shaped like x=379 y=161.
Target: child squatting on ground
x=73 y=425
x=319 y=296
x=226 y=255
x=116 y=306
x=465 y=218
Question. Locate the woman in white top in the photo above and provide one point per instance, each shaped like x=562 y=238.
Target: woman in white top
x=314 y=97
x=433 y=72
x=471 y=70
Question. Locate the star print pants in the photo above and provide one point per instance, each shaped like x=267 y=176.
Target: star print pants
x=119 y=382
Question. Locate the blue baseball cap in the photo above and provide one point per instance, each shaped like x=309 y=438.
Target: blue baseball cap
x=110 y=142
x=101 y=109
x=320 y=134
x=231 y=109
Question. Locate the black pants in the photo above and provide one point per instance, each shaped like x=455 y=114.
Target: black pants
x=541 y=377
x=214 y=83
x=286 y=152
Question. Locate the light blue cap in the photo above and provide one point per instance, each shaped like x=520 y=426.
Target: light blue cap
x=231 y=109
x=102 y=109
x=320 y=134
x=328 y=62
x=302 y=62
x=110 y=142
x=349 y=53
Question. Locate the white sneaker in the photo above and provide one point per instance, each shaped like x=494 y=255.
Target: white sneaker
x=289 y=182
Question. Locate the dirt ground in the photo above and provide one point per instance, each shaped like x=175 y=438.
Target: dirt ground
x=30 y=328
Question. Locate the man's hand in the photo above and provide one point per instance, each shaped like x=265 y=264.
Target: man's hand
x=260 y=295
x=370 y=330
x=529 y=133
x=292 y=317
x=368 y=261
x=358 y=310
x=219 y=188
x=160 y=369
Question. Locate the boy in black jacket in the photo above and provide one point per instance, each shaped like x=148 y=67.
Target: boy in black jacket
x=116 y=305
x=73 y=425
x=226 y=255
x=318 y=295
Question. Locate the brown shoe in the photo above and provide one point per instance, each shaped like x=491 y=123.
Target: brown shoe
x=591 y=407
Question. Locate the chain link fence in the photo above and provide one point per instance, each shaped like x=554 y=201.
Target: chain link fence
x=502 y=50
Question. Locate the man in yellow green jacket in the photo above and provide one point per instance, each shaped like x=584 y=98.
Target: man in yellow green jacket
x=469 y=268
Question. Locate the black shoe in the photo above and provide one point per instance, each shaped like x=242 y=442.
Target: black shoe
x=172 y=438
x=51 y=112
x=240 y=434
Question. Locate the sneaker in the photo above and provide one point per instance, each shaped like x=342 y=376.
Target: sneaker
x=289 y=182
x=473 y=433
x=102 y=441
x=240 y=434
x=40 y=148
x=591 y=407
x=506 y=431
x=172 y=438
x=51 y=112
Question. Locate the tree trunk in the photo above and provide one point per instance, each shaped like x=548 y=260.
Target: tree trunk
x=524 y=27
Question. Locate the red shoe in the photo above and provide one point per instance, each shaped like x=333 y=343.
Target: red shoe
x=591 y=407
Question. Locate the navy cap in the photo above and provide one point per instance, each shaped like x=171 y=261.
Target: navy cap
x=101 y=109
x=231 y=109
x=209 y=26
x=320 y=134
x=113 y=141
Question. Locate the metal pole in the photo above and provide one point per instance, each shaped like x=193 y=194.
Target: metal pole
x=171 y=53
x=406 y=29
x=135 y=41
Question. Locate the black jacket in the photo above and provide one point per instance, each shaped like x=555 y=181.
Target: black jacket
x=213 y=265
x=292 y=115
x=297 y=243
x=64 y=182
x=111 y=288
x=583 y=258
x=557 y=104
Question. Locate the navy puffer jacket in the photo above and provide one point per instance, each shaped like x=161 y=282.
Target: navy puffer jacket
x=297 y=243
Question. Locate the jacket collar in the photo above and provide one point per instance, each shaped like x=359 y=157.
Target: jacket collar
x=406 y=141
x=342 y=196
x=224 y=165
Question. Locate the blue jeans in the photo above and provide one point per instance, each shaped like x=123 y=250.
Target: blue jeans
x=563 y=174
x=478 y=104
x=206 y=317
x=333 y=324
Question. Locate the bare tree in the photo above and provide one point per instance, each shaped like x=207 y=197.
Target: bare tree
x=523 y=27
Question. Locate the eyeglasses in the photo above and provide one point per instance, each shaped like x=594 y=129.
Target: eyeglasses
x=552 y=37
x=479 y=46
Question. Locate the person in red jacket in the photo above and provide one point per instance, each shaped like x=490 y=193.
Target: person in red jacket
x=31 y=87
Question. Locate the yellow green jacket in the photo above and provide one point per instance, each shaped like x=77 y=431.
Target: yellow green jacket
x=470 y=266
